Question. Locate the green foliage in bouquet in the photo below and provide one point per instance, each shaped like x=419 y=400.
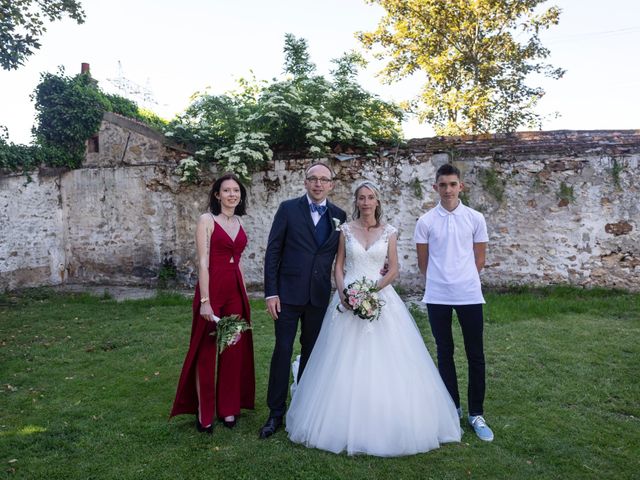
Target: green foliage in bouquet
x=228 y=330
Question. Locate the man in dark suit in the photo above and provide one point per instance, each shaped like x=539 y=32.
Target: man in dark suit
x=297 y=279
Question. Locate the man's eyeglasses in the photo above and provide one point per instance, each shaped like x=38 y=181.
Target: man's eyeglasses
x=322 y=180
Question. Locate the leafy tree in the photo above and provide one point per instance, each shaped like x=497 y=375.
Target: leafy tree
x=22 y=23
x=476 y=55
x=297 y=61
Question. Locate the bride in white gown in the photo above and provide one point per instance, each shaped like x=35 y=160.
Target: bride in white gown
x=370 y=386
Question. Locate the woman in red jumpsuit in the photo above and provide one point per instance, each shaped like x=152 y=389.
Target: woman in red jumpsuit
x=220 y=241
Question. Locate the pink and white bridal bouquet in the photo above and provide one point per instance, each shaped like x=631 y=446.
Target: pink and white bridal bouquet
x=362 y=297
x=228 y=331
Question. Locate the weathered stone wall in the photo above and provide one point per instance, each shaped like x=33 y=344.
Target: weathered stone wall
x=32 y=231
x=561 y=207
x=122 y=141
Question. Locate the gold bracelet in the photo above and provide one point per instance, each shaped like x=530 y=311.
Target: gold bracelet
x=204 y=299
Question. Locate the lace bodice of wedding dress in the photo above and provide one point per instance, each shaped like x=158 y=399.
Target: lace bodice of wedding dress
x=361 y=262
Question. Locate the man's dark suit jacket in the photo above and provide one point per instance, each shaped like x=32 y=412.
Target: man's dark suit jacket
x=295 y=267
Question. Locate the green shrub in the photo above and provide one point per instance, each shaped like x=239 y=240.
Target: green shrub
x=122 y=106
x=240 y=130
x=152 y=119
x=14 y=156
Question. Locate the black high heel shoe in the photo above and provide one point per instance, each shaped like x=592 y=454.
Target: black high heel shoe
x=230 y=423
x=202 y=429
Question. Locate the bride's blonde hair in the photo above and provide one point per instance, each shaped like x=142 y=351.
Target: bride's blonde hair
x=376 y=191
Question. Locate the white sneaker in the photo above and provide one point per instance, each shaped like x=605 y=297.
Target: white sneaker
x=481 y=428
x=460 y=413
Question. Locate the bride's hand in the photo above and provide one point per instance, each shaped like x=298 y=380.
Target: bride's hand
x=344 y=304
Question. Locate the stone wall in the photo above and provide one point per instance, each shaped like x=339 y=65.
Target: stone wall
x=32 y=233
x=561 y=207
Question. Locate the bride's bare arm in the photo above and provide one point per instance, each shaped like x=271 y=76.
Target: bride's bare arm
x=392 y=255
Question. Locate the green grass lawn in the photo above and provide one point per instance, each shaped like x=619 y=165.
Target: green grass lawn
x=87 y=384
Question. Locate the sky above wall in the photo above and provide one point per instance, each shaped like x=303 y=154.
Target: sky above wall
x=172 y=49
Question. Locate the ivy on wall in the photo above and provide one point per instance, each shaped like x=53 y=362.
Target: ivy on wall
x=68 y=112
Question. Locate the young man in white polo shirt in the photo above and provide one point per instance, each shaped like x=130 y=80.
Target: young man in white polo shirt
x=451 y=241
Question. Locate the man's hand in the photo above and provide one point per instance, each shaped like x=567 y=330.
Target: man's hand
x=273 y=307
x=385 y=268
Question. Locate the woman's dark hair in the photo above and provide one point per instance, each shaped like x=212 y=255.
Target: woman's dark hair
x=214 y=203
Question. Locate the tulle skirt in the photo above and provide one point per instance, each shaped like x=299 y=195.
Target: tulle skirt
x=372 y=388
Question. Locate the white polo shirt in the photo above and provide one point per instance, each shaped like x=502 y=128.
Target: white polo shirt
x=452 y=276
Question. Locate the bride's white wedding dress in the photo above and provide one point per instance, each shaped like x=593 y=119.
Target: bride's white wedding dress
x=371 y=387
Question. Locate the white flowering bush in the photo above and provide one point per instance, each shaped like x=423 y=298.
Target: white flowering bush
x=241 y=129
x=189 y=170
x=247 y=151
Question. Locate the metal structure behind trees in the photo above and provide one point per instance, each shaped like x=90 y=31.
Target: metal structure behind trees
x=142 y=95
